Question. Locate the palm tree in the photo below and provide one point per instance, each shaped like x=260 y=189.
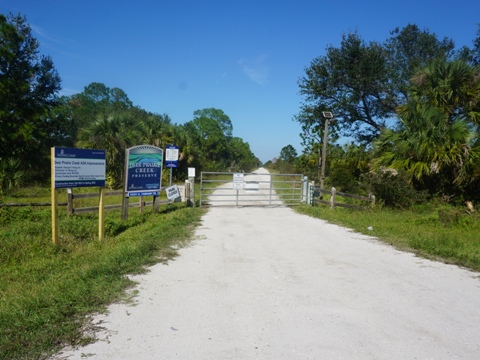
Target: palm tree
x=452 y=86
x=426 y=146
x=436 y=142
x=114 y=134
x=157 y=130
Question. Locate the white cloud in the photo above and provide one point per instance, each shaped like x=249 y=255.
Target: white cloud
x=256 y=69
x=39 y=31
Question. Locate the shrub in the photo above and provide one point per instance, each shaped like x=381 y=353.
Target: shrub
x=391 y=188
x=11 y=175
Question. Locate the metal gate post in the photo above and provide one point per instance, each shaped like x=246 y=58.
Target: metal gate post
x=304 y=189
x=271 y=184
x=312 y=193
x=201 y=188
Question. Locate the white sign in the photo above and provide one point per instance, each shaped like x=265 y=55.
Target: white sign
x=237 y=186
x=252 y=186
x=238 y=177
x=191 y=172
x=171 y=154
x=172 y=192
x=237 y=181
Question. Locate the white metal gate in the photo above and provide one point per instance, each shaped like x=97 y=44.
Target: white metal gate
x=252 y=189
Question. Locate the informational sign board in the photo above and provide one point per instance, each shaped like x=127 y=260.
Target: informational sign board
x=173 y=193
x=237 y=181
x=143 y=170
x=191 y=172
x=171 y=156
x=78 y=167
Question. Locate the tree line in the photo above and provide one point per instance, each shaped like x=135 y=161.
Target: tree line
x=34 y=118
x=410 y=107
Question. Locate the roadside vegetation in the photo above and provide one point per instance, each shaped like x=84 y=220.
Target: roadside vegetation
x=47 y=291
x=410 y=109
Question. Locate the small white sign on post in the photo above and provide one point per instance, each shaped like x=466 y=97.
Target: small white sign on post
x=191 y=172
x=237 y=181
x=172 y=193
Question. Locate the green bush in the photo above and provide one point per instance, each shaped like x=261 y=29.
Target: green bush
x=391 y=188
x=11 y=175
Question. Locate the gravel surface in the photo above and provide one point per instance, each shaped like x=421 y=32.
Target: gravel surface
x=268 y=283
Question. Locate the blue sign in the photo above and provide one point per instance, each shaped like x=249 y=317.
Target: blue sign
x=78 y=167
x=171 y=156
x=144 y=170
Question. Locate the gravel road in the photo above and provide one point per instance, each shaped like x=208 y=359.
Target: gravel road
x=268 y=283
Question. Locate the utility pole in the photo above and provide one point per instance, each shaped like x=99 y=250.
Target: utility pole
x=328 y=116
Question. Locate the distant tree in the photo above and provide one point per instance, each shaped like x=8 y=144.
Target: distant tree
x=216 y=116
x=363 y=83
x=352 y=82
x=241 y=156
x=408 y=50
x=210 y=131
x=206 y=143
x=96 y=100
x=472 y=56
x=29 y=84
x=288 y=154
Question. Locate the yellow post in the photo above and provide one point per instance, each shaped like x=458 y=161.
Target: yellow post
x=54 y=199
x=101 y=212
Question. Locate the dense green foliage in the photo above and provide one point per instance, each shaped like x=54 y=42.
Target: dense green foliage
x=33 y=118
x=412 y=105
x=28 y=93
x=211 y=146
x=362 y=83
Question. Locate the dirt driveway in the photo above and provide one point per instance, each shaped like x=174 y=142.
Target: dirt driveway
x=268 y=283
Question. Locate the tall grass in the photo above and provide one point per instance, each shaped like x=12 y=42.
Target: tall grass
x=46 y=290
x=443 y=233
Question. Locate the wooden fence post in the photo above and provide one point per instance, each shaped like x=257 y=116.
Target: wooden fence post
x=156 y=204
x=69 y=201
x=332 y=199
x=101 y=214
x=191 y=196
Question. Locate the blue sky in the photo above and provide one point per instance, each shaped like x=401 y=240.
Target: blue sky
x=244 y=57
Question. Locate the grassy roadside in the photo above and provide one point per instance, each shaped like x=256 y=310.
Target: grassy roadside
x=46 y=290
x=441 y=233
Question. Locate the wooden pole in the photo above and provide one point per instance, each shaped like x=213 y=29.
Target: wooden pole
x=332 y=199
x=54 y=198
x=324 y=154
x=70 y=201
x=101 y=214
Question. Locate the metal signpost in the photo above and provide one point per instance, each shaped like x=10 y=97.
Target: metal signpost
x=171 y=159
x=237 y=183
